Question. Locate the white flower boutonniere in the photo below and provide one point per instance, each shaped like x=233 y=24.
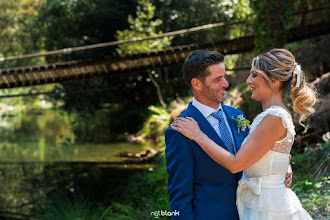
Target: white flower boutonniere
x=242 y=123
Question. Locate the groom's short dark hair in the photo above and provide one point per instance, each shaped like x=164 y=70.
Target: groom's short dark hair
x=196 y=64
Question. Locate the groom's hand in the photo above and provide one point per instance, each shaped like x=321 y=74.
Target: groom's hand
x=288 y=176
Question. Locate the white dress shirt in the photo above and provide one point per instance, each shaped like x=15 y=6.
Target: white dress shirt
x=207 y=111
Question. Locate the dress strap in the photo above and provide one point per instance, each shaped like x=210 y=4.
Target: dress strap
x=284 y=115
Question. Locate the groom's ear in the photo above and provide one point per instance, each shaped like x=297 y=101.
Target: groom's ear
x=196 y=83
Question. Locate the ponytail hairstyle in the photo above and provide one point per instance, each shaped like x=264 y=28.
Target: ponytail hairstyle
x=281 y=65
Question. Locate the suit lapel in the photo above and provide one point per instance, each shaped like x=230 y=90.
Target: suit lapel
x=232 y=124
x=204 y=125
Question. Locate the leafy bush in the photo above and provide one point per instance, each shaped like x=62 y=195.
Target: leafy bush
x=311 y=181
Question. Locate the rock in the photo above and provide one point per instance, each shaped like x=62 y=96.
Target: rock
x=144 y=153
x=133 y=138
x=151 y=150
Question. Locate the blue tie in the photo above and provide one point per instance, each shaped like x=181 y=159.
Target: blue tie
x=224 y=131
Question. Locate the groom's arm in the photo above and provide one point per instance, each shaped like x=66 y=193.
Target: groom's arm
x=180 y=168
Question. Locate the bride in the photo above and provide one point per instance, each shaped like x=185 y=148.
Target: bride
x=264 y=155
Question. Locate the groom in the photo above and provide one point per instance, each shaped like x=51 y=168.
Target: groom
x=199 y=188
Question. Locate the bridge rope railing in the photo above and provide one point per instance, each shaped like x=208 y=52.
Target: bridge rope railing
x=120 y=42
x=140 y=39
x=132 y=64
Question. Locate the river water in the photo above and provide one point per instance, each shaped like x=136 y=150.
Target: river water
x=39 y=158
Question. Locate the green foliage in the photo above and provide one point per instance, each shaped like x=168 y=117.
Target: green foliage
x=63 y=24
x=142 y=26
x=78 y=209
x=269 y=32
x=159 y=119
x=18 y=18
x=146 y=192
x=314 y=196
x=75 y=23
x=27 y=102
x=178 y=15
x=311 y=181
x=119 y=211
x=143 y=193
x=273 y=17
x=155 y=126
x=236 y=8
x=230 y=61
x=114 y=124
x=309 y=162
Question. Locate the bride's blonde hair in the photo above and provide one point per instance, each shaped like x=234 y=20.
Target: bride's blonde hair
x=280 y=64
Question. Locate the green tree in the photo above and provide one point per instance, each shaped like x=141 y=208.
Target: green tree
x=17 y=19
x=142 y=26
x=71 y=23
x=273 y=17
x=269 y=22
x=178 y=15
x=18 y=25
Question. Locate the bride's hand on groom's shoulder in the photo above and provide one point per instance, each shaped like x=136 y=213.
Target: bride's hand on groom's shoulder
x=186 y=126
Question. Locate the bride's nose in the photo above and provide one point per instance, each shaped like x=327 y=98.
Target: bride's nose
x=248 y=80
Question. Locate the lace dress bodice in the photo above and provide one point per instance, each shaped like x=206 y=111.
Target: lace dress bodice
x=275 y=161
x=261 y=193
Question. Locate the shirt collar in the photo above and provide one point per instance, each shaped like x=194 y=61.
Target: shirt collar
x=204 y=109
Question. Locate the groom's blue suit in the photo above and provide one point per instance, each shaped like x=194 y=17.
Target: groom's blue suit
x=199 y=188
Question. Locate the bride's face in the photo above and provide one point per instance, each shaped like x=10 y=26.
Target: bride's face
x=259 y=88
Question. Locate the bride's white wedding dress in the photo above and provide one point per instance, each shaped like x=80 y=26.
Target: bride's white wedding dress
x=261 y=194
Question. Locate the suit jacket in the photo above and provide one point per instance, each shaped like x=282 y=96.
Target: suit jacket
x=199 y=188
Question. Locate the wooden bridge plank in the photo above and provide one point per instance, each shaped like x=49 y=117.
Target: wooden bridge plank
x=138 y=62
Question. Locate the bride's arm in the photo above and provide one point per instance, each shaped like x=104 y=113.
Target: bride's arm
x=260 y=142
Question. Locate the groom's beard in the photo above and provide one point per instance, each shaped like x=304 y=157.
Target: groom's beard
x=213 y=94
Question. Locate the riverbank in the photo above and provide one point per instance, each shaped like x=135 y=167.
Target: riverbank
x=132 y=190
x=143 y=193
x=132 y=196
